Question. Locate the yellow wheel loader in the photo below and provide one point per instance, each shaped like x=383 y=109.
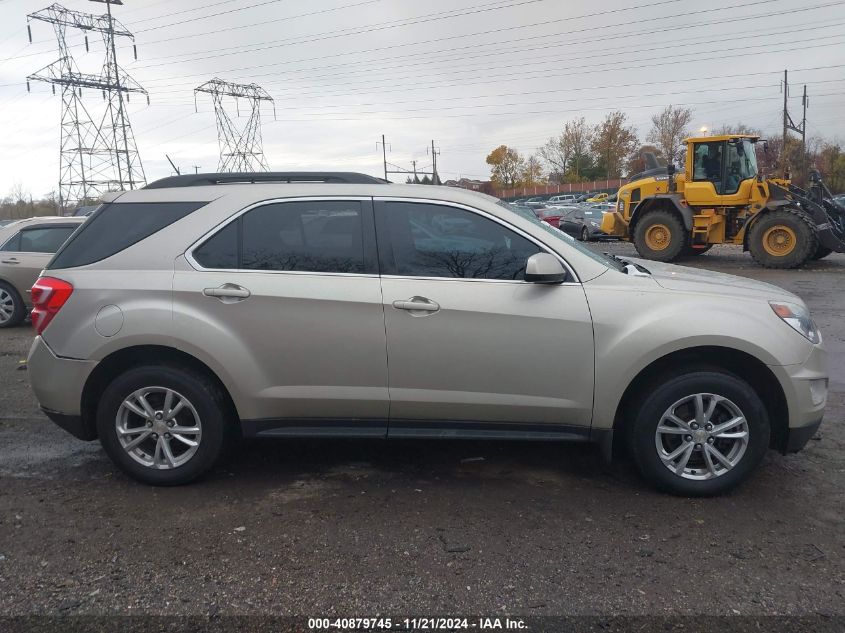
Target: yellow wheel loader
x=721 y=199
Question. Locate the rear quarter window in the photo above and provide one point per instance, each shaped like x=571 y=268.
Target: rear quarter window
x=117 y=226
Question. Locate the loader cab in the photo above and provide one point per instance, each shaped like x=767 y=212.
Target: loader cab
x=720 y=170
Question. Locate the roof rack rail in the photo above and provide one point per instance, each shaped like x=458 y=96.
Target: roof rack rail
x=202 y=180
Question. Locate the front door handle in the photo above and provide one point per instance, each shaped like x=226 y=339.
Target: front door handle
x=228 y=293
x=10 y=261
x=417 y=304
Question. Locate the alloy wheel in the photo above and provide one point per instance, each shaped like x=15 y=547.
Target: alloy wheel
x=7 y=306
x=158 y=427
x=702 y=436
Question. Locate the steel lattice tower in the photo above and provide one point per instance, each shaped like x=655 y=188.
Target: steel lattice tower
x=240 y=151
x=96 y=155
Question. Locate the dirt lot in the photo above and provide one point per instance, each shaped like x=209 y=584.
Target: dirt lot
x=366 y=527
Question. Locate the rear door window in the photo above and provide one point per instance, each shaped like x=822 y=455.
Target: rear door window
x=317 y=236
x=117 y=226
x=44 y=239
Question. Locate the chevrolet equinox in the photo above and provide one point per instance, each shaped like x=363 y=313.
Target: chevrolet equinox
x=205 y=307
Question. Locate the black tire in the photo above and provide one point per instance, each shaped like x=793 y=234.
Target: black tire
x=668 y=391
x=692 y=252
x=821 y=252
x=792 y=222
x=676 y=241
x=201 y=392
x=18 y=307
x=585 y=235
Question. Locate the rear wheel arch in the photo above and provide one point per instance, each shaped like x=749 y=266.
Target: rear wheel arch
x=732 y=361
x=670 y=204
x=118 y=362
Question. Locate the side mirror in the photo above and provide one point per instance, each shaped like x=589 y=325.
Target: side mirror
x=543 y=268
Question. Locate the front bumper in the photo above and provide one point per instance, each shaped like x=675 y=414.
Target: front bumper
x=58 y=384
x=805 y=388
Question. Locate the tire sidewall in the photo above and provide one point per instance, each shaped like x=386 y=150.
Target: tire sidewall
x=676 y=228
x=585 y=235
x=804 y=250
x=653 y=406
x=199 y=391
x=19 y=310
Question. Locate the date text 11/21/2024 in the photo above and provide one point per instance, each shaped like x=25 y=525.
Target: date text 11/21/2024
x=416 y=624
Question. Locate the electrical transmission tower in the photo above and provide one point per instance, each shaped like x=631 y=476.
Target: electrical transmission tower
x=96 y=154
x=240 y=151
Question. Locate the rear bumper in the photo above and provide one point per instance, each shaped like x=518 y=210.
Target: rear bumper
x=58 y=384
x=73 y=424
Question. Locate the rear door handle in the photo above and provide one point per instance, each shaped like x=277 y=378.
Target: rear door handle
x=417 y=304
x=10 y=261
x=228 y=293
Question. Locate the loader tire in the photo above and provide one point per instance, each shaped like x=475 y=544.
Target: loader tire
x=660 y=236
x=821 y=252
x=783 y=239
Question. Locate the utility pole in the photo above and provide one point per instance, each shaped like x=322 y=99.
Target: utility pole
x=788 y=124
x=196 y=168
x=414 y=163
x=383 y=154
x=435 y=179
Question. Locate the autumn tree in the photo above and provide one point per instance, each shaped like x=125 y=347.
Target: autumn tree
x=612 y=143
x=532 y=172
x=506 y=166
x=668 y=131
x=565 y=153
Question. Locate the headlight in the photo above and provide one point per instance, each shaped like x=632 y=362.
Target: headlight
x=798 y=318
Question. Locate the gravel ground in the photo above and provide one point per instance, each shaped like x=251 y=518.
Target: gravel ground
x=365 y=527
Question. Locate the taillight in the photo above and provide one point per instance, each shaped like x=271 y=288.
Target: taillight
x=48 y=296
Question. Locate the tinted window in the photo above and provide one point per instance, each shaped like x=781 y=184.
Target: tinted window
x=319 y=236
x=117 y=226
x=438 y=241
x=13 y=244
x=44 y=240
x=220 y=250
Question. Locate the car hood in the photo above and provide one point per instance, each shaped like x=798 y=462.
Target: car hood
x=685 y=279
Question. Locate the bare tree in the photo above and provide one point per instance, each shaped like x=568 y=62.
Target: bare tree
x=668 y=130
x=532 y=173
x=565 y=154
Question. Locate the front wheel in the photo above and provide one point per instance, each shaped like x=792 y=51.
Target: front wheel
x=163 y=425
x=585 y=235
x=699 y=434
x=782 y=239
x=660 y=235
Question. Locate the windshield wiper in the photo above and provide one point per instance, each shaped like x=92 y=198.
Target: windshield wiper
x=629 y=268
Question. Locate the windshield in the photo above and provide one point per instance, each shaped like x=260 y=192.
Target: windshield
x=593 y=213
x=557 y=233
x=741 y=165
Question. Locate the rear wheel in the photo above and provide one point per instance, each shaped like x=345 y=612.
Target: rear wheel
x=700 y=433
x=163 y=425
x=585 y=235
x=783 y=239
x=12 y=308
x=660 y=236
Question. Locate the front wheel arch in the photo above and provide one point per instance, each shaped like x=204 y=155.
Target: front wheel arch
x=751 y=369
x=118 y=362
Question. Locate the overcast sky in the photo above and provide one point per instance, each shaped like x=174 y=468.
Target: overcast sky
x=470 y=74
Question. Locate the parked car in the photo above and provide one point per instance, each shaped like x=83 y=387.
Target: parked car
x=583 y=197
x=585 y=224
x=535 y=202
x=201 y=308
x=568 y=198
x=25 y=248
x=599 y=197
x=551 y=215
x=5 y=222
